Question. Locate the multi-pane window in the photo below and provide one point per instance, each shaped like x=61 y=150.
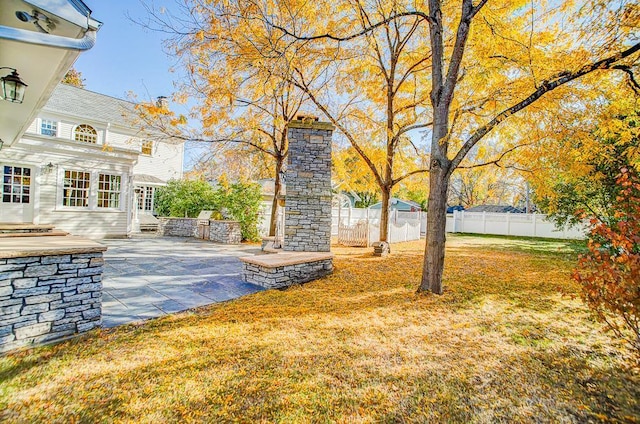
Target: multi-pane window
x=147 y=147
x=16 y=184
x=86 y=134
x=108 y=191
x=49 y=128
x=76 y=188
x=145 y=198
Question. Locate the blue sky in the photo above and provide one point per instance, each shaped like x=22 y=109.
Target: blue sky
x=126 y=57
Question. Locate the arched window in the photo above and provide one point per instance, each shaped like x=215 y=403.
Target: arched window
x=86 y=134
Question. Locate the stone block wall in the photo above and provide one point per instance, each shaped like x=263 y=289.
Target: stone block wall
x=227 y=232
x=178 y=227
x=308 y=200
x=284 y=276
x=44 y=298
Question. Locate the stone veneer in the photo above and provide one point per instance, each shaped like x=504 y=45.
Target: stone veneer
x=308 y=178
x=281 y=270
x=178 y=227
x=49 y=297
x=227 y=232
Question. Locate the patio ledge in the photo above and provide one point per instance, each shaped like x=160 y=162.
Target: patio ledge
x=286 y=258
x=13 y=247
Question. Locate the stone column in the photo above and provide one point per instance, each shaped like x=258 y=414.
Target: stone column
x=308 y=178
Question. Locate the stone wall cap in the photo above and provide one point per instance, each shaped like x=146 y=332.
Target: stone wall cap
x=312 y=125
x=47 y=246
x=275 y=260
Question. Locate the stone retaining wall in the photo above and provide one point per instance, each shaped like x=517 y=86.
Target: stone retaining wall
x=178 y=227
x=227 y=232
x=45 y=298
x=284 y=276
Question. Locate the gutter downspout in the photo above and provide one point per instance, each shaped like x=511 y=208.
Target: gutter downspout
x=31 y=37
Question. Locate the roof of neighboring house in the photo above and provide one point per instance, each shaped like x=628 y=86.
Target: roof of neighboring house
x=495 y=209
x=395 y=201
x=67 y=99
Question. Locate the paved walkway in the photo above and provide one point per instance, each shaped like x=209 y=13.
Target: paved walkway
x=153 y=276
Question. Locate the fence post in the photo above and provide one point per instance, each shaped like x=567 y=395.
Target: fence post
x=484 y=222
x=535 y=224
x=508 y=223
x=455 y=221
x=368 y=229
x=462 y=221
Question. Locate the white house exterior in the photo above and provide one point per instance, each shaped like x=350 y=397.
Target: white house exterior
x=83 y=167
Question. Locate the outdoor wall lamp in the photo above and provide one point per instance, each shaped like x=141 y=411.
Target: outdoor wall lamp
x=12 y=86
x=46 y=169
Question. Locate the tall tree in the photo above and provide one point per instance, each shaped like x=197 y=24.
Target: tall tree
x=239 y=102
x=228 y=55
x=494 y=65
x=380 y=115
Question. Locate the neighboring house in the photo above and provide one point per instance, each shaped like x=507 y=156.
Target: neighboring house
x=83 y=167
x=400 y=205
x=495 y=209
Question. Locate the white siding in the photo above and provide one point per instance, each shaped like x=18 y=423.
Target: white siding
x=48 y=209
x=165 y=162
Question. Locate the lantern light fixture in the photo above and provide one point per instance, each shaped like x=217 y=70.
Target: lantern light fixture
x=12 y=86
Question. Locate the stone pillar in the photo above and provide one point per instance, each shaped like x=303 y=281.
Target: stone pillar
x=308 y=178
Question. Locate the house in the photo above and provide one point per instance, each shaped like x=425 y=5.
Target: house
x=39 y=41
x=400 y=205
x=83 y=166
x=495 y=209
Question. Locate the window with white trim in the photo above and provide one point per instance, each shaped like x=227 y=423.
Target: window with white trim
x=145 y=198
x=76 y=189
x=86 y=134
x=108 y=191
x=49 y=128
x=16 y=184
x=147 y=147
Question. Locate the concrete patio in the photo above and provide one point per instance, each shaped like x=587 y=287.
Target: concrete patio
x=152 y=276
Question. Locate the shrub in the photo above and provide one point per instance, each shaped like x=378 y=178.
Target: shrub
x=241 y=202
x=610 y=272
x=186 y=198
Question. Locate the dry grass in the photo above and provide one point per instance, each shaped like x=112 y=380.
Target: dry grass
x=502 y=344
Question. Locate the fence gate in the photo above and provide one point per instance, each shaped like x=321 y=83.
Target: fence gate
x=354 y=235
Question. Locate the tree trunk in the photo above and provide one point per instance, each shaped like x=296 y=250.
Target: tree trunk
x=384 y=214
x=277 y=186
x=436 y=234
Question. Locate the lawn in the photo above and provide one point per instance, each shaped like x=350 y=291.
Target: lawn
x=506 y=342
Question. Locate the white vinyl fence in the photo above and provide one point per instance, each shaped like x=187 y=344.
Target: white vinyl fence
x=361 y=227
x=510 y=224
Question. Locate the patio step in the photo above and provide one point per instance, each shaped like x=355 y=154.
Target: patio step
x=148 y=223
x=34 y=234
x=27 y=229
